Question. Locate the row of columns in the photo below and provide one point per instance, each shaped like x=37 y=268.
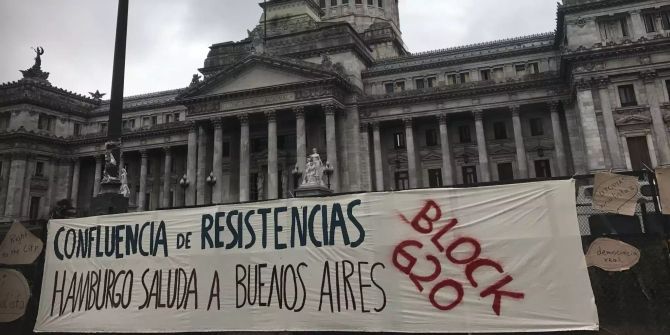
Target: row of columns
x=197 y=142
x=447 y=169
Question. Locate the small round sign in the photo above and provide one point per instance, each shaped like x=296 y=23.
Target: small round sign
x=14 y=295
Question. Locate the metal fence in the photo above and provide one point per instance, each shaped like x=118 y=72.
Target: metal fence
x=629 y=303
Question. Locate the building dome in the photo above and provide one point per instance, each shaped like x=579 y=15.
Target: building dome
x=361 y=14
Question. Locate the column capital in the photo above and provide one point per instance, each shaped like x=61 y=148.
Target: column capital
x=363 y=126
x=167 y=149
x=648 y=76
x=271 y=115
x=407 y=122
x=553 y=105
x=479 y=114
x=515 y=109
x=299 y=112
x=329 y=109
x=602 y=83
x=375 y=125
x=244 y=118
x=192 y=126
x=144 y=153
x=583 y=85
x=442 y=118
x=217 y=122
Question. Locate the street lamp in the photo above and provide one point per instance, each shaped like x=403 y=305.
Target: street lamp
x=211 y=181
x=183 y=182
x=328 y=171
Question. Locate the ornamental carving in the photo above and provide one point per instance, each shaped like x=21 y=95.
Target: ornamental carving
x=631 y=116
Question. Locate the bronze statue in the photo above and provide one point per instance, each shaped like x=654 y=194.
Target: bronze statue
x=38 y=59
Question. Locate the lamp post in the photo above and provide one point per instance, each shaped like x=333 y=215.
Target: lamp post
x=328 y=171
x=211 y=181
x=183 y=182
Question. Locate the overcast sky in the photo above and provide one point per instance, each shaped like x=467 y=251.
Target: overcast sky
x=168 y=40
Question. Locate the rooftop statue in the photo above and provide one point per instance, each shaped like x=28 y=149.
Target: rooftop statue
x=97 y=95
x=35 y=72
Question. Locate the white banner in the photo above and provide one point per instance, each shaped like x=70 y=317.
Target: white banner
x=493 y=259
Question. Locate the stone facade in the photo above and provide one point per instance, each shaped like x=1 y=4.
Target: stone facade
x=336 y=76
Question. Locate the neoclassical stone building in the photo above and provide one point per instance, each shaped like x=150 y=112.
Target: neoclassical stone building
x=336 y=75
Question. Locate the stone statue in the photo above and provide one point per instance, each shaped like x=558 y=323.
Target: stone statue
x=260 y=185
x=195 y=80
x=111 y=172
x=124 y=190
x=97 y=96
x=38 y=59
x=313 y=175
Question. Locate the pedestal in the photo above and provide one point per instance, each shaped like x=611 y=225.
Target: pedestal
x=109 y=201
x=312 y=191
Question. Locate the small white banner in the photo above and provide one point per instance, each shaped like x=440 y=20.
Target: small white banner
x=14 y=295
x=493 y=259
x=20 y=246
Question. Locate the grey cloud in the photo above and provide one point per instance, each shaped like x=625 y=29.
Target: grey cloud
x=168 y=39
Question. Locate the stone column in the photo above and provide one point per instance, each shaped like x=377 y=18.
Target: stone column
x=331 y=144
x=660 y=131
x=217 y=162
x=558 y=139
x=481 y=146
x=273 y=178
x=364 y=140
x=191 y=165
x=522 y=161
x=301 y=139
x=447 y=169
x=167 y=177
x=50 y=195
x=379 y=165
x=591 y=132
x=141 y=206
x=244 y=157
x=98 y=175
x=201 y=184
x=122 y=160
x=411 y=153
x=75 y=182
x=610 y=125
x=17 y=174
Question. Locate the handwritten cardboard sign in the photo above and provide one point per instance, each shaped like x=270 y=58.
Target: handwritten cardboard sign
x=14 y=295
x=615 y=193
x=612 y=255
x=20 y=246
x=663 y=180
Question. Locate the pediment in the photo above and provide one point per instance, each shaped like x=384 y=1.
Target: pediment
x=258 y=73
x=255 y=77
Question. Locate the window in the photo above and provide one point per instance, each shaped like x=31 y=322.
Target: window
x=542 y=169
x=464 y=77
x=149 y=167
x=345 y=2
x=45 y=122
x=639 y=152
x=146 y=121
x=533 y=68
x=77 y=129
x=624 y=27
x=371 y=3
x=399 y=140
x=431 y=137
x=420 y=84
x=667 y=88
x=389 y=88
x=486 y=75
x=464 y=134
x=225 y=149
x=649 y=23
x=39 y=169
x=665 y=20
x=536 y=128
x=168 y=118
x=499 y=130
x=333 y=2
x=469 y=175
x=627 y=96
x=359 y=2
x=505 y=172
x=380 y=3
x=176 y=117
x=34 y=207
x=520 y=70
x=154 y=120
x=401 y=180
x=400 y=86
x=4 y=120
x=431 y=81
x=103 y=127
x=435 y=178
x=259 y=145
x=451 y=79
x=322 y=3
